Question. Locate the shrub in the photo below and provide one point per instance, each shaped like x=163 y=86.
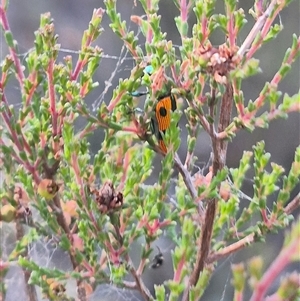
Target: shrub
x=95 y=207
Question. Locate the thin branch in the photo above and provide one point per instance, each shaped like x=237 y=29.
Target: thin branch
x=186 y=176
x=52 y=97
x=256 y=28
x=190 y=153
x=138 y=280
x=129 y=284
x=187 y=179
x=282 y=260
x=225 y=252
x=212 y=107
x=74 y=164
x=9 y=120
x=219 y=161
x=247 y=240
x=143 y=261
x=20 y=142
x=12 y=49
x=260 y=100
x=203 y=121
x=293 y=205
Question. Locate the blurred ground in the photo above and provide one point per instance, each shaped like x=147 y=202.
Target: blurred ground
x=71 y=17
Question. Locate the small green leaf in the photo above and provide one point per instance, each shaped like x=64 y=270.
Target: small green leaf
x=9 y=39
x=160 y=292
x=239 y=277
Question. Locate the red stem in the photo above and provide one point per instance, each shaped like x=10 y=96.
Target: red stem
x=126 y=164
x=238 y=296
x=230 y=29
x=205 y=32
x=283 y=259
x=183 y=11
x=115 y=101
x=264 y=32
x=74 y=163
x=12 y=50
x=79 y=66
x=261 y=98
x=33 y=78
x=178 y=272
x=52 y=98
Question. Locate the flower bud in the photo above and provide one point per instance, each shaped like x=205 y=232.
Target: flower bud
x=8 y=213
x=47 y=189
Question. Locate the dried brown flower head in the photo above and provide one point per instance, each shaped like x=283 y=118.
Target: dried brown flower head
x=220 y=61
x=107 y=198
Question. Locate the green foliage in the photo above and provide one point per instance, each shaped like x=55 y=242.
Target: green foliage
x=97 y=224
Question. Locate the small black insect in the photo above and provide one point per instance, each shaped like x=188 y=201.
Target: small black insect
x=158 y=260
